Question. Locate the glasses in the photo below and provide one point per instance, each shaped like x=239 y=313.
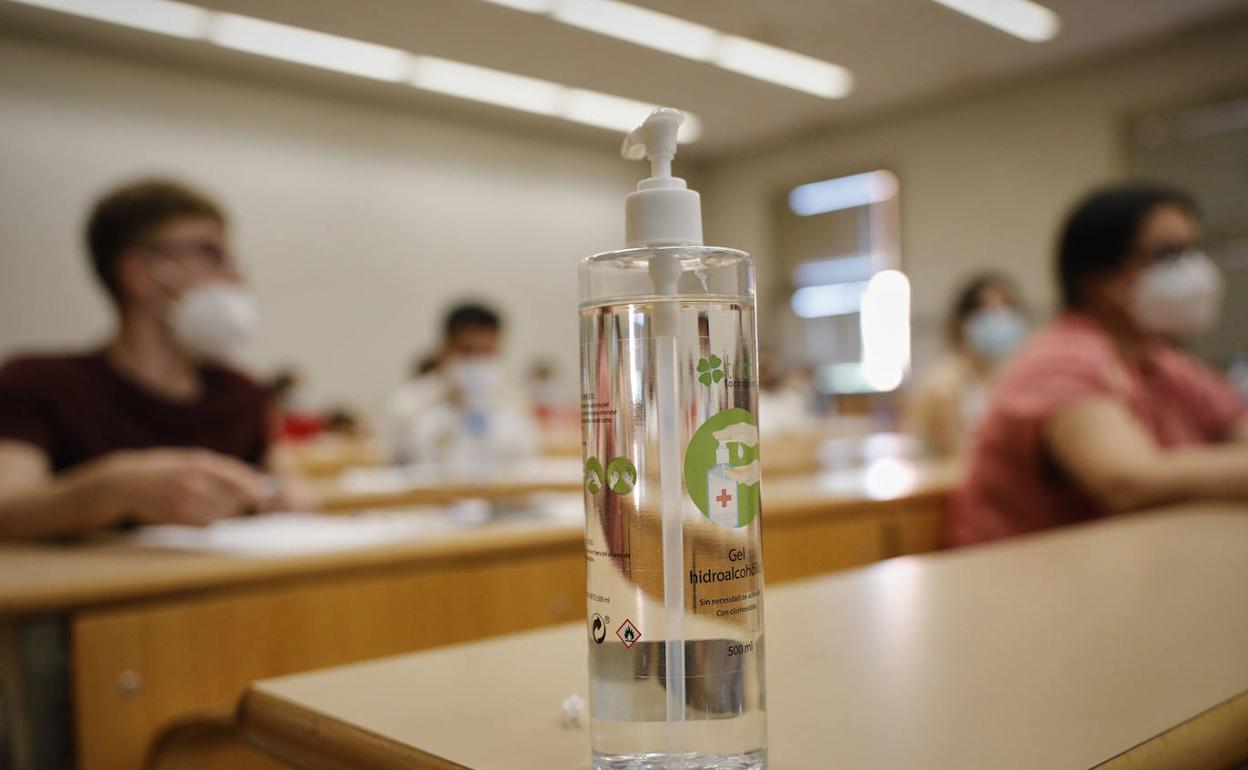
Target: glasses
x=209 y=252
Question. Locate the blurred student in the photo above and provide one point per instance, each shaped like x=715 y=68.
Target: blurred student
x=1100 y=413
x=462 y=415
x=152 y=427
x=986 y=325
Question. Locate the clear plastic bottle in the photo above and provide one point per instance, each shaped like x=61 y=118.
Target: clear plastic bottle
x=672 y=489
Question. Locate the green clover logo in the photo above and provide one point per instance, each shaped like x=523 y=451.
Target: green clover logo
x=709 y=370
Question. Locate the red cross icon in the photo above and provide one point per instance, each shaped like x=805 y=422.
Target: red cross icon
x=723 y=498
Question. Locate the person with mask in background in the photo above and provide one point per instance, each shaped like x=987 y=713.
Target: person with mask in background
x=986 y=325
x=461 y=416
x=1101 y=412
x=153 y=427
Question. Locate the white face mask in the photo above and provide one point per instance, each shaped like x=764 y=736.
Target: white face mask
x=215 y=320
x=995 y=334
x=477 y=378
x=1178 y=297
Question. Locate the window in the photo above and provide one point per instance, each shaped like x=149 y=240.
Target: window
x=849 y=304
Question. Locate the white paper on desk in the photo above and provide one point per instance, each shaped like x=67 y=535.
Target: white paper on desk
x=558 y=507
x=391 y=480
x=376 y=480
x=295 y=534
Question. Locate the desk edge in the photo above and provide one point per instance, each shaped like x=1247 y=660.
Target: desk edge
x=313 y=741
x=1215 y=738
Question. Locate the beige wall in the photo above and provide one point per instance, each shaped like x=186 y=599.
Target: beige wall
x=357 y=224
x=984 y=181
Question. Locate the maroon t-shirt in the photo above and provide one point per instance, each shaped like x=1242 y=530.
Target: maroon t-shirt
x=77 y=408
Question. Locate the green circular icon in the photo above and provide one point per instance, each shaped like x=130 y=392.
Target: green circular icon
x=621 y=475
x=593 y=475
x=722 y=468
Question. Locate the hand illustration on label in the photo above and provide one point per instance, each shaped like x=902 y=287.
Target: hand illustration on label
x=621 y=475
x=722 y=470
x=593 y=476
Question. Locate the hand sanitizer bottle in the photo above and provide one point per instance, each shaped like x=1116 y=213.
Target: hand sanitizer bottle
x=669 y=400
x=721 y=490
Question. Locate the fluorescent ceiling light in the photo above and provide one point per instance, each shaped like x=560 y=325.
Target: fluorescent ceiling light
x=357 y=57
x=304 y=46
x=518 y=92
x=785 y=68
x=844 y=192
x=529 y=6
x=641 y=26
x=1020 y=18
x=162 y=16
x=699 y=42
x=486 y=85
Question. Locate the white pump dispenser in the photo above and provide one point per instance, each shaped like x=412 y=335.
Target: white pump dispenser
x=663 y=211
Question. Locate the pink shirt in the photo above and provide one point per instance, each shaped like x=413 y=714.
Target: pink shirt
x=1014 y=486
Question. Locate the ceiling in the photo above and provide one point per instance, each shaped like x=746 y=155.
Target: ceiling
x=901 y=52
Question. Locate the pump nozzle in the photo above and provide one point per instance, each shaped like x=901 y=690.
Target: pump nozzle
x=663 y=211
x=655 y=139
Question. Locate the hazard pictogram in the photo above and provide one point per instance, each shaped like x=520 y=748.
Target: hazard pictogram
x=628 y=634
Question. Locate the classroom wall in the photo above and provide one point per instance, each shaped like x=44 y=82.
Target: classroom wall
x=356 y=223
x=984 y=180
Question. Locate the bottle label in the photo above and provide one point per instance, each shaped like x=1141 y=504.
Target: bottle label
x=718 y=466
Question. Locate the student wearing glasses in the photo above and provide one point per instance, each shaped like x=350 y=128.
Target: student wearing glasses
x=153 y=426
x=1101 y=412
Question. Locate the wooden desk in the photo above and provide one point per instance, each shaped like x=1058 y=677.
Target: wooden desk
x=1116 y=645
x=149 y=638
x=328 y=455
x=391 y=487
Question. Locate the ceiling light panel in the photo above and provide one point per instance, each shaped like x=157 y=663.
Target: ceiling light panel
x=305 y=46
x=162 y=16
x=641 y=26
x=481 y=84
x=784 y=68
x=1021 y=18
x=681 y=37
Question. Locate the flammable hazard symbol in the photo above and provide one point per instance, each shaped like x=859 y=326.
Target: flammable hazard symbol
x=628 y=634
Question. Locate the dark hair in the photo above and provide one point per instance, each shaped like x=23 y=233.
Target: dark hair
x=970 y=299
x=129 y=213
x=471 y=316
x=1099 y=232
